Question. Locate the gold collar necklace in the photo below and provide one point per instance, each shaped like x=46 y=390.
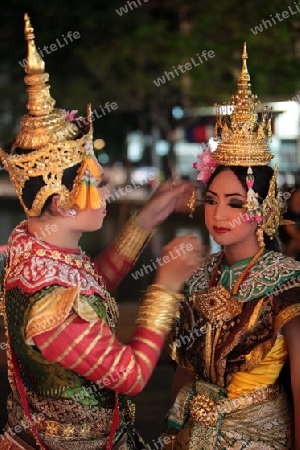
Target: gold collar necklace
x=217 y=303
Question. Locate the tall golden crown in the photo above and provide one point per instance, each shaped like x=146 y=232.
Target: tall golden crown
x=50 y=142
x=243 y=140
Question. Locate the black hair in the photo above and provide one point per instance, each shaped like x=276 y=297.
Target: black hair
x=262 y=178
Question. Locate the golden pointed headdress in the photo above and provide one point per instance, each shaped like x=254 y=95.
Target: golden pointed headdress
x=243 y=140
x=48 y=143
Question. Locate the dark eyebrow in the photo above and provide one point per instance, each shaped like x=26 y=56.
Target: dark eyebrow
x=234 y=194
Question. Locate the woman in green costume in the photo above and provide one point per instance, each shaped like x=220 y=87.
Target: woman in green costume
x=239 y=323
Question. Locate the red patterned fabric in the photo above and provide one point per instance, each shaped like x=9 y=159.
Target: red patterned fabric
x=91 y=350
x=112 y=267
x=34 y=264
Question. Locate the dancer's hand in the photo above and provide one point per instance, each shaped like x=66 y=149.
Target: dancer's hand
x=169 y=197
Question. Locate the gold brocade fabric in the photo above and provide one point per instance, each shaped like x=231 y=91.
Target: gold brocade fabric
x=45 y=284
x=234 y=344
x=235 y=334
x=263 y=426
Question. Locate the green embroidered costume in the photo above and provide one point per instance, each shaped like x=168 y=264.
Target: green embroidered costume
x=235 y=401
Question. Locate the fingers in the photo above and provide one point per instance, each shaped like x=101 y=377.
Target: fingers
x=179 y=259
x=189 y=239
x=187 y=197
x=165 y=201
x=176 y=185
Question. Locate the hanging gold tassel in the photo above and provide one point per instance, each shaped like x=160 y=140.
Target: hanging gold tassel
x=192 y=203
x=260 y=236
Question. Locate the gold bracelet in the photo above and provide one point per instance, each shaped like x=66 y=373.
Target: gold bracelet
x=132 y=239
x=158 y=308
x=161 y=287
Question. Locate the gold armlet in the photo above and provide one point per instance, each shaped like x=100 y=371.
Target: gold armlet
x=132 y=239
x=158 y=308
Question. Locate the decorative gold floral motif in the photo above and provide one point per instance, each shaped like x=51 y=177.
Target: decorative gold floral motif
x=204 y=410
x=217 y=304
x=70 y=431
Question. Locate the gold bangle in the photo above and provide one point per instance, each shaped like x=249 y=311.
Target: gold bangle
x=158 y=308
x=131 y=240
x=161 y=287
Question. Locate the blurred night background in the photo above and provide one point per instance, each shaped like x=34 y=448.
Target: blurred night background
x=126 y=54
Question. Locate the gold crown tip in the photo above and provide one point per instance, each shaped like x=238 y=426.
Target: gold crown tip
x=244 y=74
x=34 y=63
x=244 y=54
x=28 y=30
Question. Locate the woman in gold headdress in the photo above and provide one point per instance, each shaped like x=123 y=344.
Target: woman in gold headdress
x=67 y=370
x=239 y=322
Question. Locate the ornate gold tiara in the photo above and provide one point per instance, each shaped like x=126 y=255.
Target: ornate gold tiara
x=243 y=140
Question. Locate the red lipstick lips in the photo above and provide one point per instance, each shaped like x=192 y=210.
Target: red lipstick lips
x=221 y=230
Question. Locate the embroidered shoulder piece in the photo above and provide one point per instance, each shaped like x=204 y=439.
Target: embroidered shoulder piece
x=49 y=311
x=270 y=271
x=201 y=277
x=34 y=265
x=53 y=308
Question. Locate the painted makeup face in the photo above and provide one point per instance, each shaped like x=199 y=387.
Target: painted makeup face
x=224 y=211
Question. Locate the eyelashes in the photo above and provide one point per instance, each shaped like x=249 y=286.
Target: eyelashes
x=211 y=201
x=236 y=205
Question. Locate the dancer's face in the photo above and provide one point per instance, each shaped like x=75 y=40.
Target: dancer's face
x=224 y=211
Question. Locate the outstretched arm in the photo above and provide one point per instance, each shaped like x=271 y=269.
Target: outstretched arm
x=119 y=257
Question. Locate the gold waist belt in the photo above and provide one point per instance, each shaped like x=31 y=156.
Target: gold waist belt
x=205 y=411
x=67 y=430
x=54 y=429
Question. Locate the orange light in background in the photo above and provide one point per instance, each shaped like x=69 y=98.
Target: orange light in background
x=99 y=144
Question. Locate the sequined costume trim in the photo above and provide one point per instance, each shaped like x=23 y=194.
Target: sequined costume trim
x=265 y=276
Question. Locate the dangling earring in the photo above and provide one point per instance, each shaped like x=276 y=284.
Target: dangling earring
x=72 y=213
x=260 y=236
x=192 y=203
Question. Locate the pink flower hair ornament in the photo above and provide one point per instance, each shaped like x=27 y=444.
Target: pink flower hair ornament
x=206 y=166
x=70 y=115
